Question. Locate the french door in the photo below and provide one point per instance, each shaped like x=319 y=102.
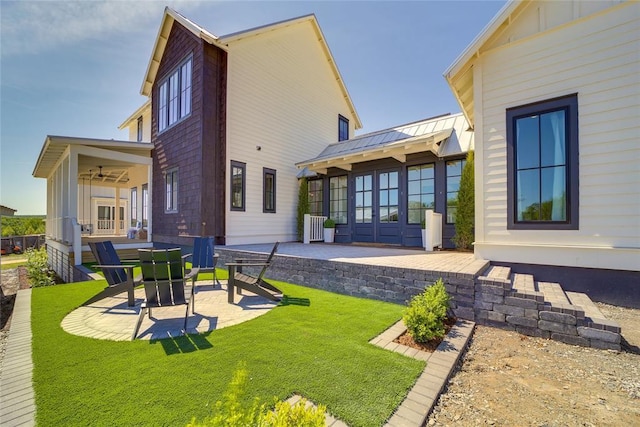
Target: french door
x=376 y=212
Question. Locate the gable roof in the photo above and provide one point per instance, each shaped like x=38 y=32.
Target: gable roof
x=459 y=75
x=444 y=136
x=223 y=42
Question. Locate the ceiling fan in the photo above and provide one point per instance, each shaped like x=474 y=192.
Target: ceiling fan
x=100 y=175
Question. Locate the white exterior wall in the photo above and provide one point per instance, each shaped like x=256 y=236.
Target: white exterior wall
x=598 y=58
x=283 y=97
x=146 y=127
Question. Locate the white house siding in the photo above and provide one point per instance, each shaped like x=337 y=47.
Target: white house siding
x=598 y=58
x=146 y=126
x=283 y=97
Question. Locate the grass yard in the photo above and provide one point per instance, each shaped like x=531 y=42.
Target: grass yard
x=319 y=350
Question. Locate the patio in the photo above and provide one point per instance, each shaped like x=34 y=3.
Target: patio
x=112 y=319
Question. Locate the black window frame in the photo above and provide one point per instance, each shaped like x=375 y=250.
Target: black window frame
x=568 y=103
x=181 y=115
x=173 y=206
x=409 y=193
x=265 y=191
x=345 y=200
x=243 y=167
x=447 y=207
x=316 y=187
x=343 y=128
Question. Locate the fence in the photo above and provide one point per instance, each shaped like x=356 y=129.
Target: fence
x=313 y=228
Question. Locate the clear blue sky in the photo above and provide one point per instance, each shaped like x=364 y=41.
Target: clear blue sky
x=75 y=68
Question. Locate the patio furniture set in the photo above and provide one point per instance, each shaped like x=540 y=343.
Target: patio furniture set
x=165 y=276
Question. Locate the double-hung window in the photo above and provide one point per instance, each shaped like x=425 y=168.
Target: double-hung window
x=269 y=190
x=145 y=204
x=174 y=96
x=542 y=165
x=134 y=206
x=343 y=128
x=338 y=199
x=171 y=186
x=238 y=185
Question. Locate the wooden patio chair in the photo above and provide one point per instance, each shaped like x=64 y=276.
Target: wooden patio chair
x=255 y=284
x=119 y=276
x=204 y=258
x=164 y=278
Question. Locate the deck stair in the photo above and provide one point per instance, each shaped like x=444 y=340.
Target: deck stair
x=518 y=301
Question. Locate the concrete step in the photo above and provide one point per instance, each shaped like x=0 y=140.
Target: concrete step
x=496 y=275
x=593 y=316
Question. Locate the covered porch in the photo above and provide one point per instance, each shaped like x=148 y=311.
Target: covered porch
x=95 y=189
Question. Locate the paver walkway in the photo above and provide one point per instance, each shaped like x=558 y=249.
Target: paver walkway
x=17 y=402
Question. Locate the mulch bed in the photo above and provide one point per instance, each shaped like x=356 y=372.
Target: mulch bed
x=429 y=346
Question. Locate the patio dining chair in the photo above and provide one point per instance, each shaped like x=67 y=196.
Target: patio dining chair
x=164 y=278
x=119 y=276
x=256 y=284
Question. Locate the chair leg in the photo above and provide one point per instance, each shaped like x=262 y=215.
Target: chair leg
x=135 y=331
x=186 y=316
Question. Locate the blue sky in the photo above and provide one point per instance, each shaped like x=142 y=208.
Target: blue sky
x=75 y=68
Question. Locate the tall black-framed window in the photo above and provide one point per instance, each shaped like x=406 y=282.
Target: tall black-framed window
x=268 y=190
x=315 y=197
x=145 y=204
x=343 y=128
x=171 y=190
x=542 y=165
x=134 y=206
x=139 y=135
x=238 y=185
x=174 y=96
x=454 y=173
x=338 y=199
x=420 y=191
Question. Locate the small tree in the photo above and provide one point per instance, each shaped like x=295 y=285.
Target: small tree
x=465 y=213
x=303 y=206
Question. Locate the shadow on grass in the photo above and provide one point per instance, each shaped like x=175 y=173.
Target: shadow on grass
x=289 y=300
x=184 y=344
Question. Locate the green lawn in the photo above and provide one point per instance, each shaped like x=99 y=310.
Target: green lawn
x=319 y=350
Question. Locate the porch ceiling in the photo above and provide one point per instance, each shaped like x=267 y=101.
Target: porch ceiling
x=398 y=150
x=115 y=157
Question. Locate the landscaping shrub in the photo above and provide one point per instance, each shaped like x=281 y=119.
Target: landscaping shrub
x=303 y=206
x=232 y=412
x=465 y=213
x=425 y=315
x=37 y=268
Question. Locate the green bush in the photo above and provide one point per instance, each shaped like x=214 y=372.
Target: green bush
x=303 y=206
x=425 y=315
x=37 y=268
x=329 y=223
x=465 y=213
x=232 y=412
x=22 y=225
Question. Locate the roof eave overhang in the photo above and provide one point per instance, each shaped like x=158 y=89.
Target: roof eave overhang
x=169 y=17
x=57 y=146
x=463 y=64
x=397 y=150
x=134 y=116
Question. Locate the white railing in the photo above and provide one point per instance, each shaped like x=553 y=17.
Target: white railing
x=313 y=228
x=432 y=230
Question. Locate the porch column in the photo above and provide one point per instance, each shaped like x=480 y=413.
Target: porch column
x=149 y=202
x=117 y=228
x=76 y=240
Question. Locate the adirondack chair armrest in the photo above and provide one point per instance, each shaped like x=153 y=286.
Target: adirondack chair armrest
x=192 y=273
x=125 y=266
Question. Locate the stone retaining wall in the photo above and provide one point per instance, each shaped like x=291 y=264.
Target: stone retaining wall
x=389 y=284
